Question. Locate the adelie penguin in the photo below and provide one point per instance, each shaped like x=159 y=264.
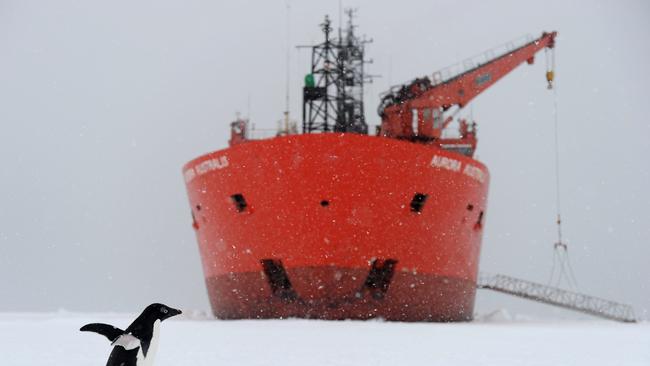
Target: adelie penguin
x=137 y=345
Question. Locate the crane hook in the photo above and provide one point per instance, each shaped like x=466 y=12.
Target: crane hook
x=550 y=75
x=550 y=67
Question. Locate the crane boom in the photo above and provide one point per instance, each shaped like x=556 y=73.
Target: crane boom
x=415 y=110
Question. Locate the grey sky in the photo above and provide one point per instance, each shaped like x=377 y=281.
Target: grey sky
x=101 y=103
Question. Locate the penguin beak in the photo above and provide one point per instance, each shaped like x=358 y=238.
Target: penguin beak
x=173 y=312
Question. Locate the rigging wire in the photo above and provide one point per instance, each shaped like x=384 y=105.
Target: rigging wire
x=560 y=248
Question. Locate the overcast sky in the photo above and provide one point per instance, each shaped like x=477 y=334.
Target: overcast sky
x=102 y=102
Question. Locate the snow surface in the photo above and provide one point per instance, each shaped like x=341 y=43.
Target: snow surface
x=54 y=339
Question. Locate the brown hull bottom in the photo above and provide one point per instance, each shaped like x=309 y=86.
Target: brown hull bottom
x=334 y=293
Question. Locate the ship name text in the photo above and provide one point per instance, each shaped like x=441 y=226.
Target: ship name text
x=203 y=167
x=455 y=165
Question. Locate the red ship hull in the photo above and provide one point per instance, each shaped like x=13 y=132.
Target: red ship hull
x=338 y=226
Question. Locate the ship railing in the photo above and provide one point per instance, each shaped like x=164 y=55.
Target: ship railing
x=452 y=71
x=261 y=133
x=265 y=133
x=447 y=73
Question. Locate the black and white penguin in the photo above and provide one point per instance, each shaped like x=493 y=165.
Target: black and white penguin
x=137 y=345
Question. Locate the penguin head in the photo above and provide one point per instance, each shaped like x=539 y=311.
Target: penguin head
x=160 y=311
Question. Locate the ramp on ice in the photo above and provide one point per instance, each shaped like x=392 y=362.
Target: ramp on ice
x=558 y=297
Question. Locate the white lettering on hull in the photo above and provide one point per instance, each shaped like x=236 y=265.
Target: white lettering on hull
x=455 y=165
x=474 y=172
x=446 y=163
x=205 y=167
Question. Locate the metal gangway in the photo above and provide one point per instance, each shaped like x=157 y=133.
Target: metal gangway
x=557 y=297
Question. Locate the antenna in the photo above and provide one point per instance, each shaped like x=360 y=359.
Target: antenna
x=288 y=67
x=390 y=69
x=248 y=107
x=340 y=19
x=247 y=126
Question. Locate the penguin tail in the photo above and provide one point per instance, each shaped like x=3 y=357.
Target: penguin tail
x=108 y=331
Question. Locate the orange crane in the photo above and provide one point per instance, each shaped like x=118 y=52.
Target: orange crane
x=415 y=111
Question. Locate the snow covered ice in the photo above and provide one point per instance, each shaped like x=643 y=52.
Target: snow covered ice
x=101 y=103
x=55 y=339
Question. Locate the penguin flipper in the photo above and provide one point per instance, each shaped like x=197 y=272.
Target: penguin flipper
x=108 y=331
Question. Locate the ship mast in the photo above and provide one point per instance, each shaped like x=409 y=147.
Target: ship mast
x=333 y=91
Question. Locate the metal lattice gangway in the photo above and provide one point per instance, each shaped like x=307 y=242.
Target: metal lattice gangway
x=558 y=297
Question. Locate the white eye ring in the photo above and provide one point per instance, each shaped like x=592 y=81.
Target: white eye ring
x=164 y=310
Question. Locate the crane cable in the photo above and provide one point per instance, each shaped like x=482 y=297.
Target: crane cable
x=560 y=248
